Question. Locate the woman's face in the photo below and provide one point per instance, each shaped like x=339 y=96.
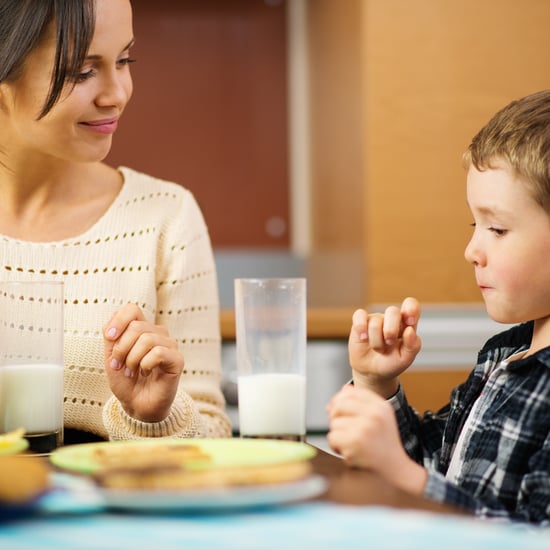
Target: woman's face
x=80 y=126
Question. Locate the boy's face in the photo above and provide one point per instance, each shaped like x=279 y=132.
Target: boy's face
x=510 y=246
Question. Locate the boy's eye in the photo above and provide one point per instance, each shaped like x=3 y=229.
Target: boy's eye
x=497 y=231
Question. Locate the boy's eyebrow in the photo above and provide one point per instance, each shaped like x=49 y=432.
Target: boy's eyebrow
x=127 y=47
x=488 y=210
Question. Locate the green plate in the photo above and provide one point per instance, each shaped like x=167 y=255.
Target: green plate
x=222 y=452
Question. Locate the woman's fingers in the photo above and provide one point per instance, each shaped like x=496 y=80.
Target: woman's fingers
x=120 y=320
x=132 y=343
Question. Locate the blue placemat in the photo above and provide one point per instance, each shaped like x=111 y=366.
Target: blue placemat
x=73 y=517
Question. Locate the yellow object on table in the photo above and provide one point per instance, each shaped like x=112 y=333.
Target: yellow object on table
x=13 y=442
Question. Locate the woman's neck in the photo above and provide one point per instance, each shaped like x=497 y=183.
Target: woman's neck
x=52 y=205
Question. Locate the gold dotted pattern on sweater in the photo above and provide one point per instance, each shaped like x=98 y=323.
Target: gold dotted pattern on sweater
x=187 y=279
x=82 y=401
x=80 y=368
x=142 y=198
x=65 y=272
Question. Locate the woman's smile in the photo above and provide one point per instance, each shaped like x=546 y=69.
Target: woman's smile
x=103 y=126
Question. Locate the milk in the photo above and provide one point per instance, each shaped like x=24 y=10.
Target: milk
x=31 y=397
x=272 y=404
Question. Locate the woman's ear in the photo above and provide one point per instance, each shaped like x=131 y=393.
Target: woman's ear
x=2 y=97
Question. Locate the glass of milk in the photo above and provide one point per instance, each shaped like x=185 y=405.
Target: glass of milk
x=31 y=361
x=271 y=338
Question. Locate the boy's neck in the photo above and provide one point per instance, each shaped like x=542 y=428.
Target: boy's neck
x=541 y=335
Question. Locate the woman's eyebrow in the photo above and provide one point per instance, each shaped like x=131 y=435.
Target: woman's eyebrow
x=127 y=47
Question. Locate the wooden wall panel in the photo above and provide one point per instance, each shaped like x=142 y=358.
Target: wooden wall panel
x=429 y=390
x=434 y=73
x=210 y=111
x=336 y=271
x=336 y=104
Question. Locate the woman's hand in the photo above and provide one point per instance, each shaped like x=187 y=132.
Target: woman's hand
x=382 y=345
x=143 y=364
x=363 y=429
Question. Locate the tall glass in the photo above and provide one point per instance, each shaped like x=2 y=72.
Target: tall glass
x=271 y=340
x=31 y=362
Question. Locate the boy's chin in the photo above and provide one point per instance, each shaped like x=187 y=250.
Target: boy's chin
x=505 y=317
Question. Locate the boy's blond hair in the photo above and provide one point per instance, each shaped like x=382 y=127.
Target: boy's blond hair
x=518 y=134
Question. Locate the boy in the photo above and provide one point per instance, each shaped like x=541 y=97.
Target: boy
x=488 y=450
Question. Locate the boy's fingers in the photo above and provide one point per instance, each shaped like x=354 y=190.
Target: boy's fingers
x=410 y=311
x=392 y=325
x=359 y=321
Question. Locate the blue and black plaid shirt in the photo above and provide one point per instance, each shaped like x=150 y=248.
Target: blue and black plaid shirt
x=505 y=471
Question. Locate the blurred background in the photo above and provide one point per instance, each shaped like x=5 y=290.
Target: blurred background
x=323 y=138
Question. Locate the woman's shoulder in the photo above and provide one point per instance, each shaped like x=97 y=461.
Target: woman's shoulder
x=150 y=198
x=136 y=183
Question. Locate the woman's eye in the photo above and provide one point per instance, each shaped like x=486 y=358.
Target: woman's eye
x=82 y=77
x=126 y=61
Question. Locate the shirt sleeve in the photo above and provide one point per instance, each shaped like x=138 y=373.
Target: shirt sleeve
x=532 y=504
x=421 y=436
x=478 y=493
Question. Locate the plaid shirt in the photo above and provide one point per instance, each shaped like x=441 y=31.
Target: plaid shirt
x=505 y=470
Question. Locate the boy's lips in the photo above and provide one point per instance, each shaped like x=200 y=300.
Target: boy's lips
x=102 y=126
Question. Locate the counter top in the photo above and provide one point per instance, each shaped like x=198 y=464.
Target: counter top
x=322 y=323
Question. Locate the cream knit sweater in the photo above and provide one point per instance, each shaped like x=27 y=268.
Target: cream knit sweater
x=151 y=248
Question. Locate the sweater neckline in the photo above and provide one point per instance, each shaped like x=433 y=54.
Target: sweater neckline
x=119 y=198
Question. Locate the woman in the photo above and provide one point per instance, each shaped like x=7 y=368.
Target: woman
x=142 y=344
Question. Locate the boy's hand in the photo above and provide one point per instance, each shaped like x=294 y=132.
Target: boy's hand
x=363 y=429
x=382 y=346
x=143 y=364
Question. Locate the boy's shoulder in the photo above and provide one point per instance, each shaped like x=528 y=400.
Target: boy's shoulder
x=513 y=337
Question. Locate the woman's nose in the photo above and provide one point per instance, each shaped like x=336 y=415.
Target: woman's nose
x=116 y=90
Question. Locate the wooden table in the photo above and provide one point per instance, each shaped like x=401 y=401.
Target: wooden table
x=360 y=487
x=357 y=510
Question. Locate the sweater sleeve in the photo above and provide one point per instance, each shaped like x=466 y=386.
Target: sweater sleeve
x=184 y=420
x=188 y=306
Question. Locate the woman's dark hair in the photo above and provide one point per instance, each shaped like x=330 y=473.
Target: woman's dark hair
x=24 y=23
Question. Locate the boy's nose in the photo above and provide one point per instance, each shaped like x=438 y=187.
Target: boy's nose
x=472 y=253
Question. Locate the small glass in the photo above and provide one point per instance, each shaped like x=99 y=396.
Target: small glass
x=271 y=338
x=31 y=361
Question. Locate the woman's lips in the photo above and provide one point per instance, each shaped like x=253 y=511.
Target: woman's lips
x=105 y=126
